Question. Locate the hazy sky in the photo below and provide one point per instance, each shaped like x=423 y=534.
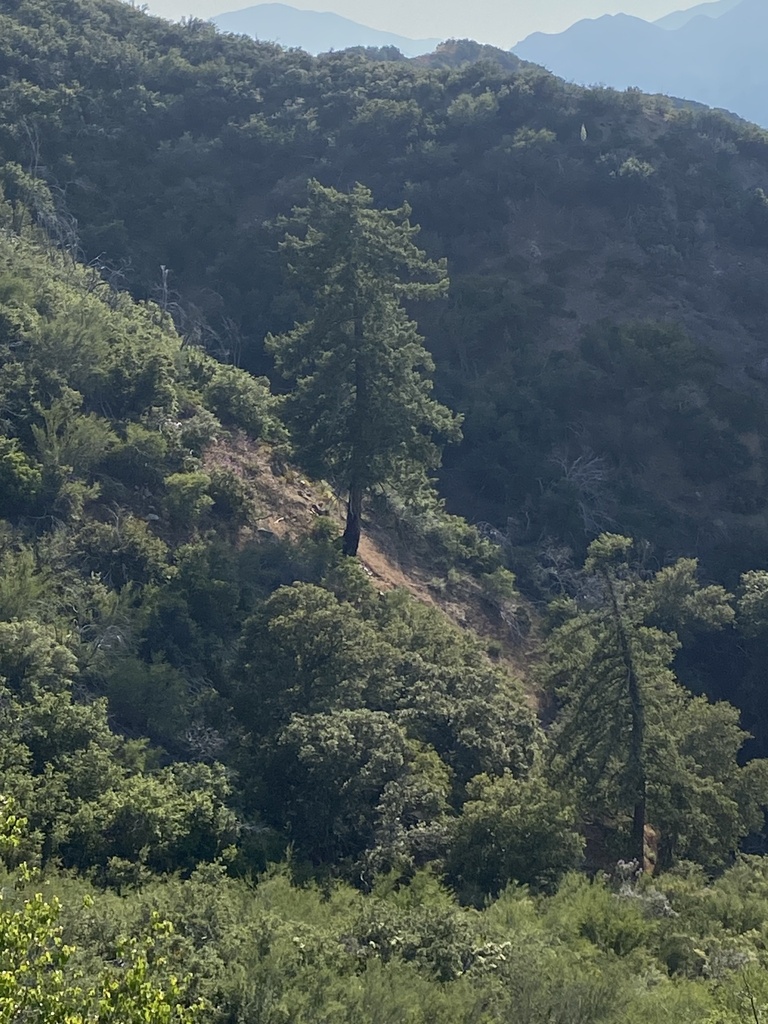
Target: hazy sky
x=502 y=22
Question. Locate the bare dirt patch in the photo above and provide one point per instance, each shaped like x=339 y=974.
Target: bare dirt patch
x=287 y=505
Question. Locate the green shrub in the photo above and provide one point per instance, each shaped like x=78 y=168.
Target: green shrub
x=187 y=498
x=240 y=400
x=512 y=830
x=20 y=479
x=230 y=497
x=140 y=459
x=124 y=551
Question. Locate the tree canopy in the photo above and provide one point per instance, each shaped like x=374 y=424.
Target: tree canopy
x=246 y=778
x=638 y=746
x=362 y=412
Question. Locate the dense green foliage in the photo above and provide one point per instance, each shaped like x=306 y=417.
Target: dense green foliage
x=632 y=742
x=602 y=334
x=137 y=601
x=242 y=780
x=273 y=952
x=184 y=701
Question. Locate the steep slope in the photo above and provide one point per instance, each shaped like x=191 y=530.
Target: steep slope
x=193 y=680
x=169 y=146
x=717 y=61
x=313 y=31
x=175 y=612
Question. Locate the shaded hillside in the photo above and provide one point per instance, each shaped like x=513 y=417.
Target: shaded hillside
x=453 y=53
x=214 y=731
x=713 y=60
x=174 y=610
x=169 y=146
x=246 y=778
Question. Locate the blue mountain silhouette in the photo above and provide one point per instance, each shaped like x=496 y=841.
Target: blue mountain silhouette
x=713 y=9
x=313 y=31
x=720 y=60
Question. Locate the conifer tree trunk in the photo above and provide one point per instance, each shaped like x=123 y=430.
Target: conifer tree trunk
x=350 y=540
x=636 y=764
x=351 y=536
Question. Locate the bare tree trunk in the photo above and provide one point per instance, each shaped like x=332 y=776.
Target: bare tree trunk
x=350 y=540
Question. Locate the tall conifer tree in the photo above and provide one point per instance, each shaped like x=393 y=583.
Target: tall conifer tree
x=361 y=410
x=637 y=746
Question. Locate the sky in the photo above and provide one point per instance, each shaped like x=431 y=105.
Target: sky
x=500 y=22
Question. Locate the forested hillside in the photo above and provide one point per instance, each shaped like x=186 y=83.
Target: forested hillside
x=169 y=146
x=244 y=776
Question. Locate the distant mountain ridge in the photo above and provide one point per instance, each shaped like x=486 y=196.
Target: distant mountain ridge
x=716 y=60
x=313 y=31
x=712 y=9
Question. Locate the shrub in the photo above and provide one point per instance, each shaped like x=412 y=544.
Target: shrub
x=187 y=499
x=240 y=400
x=512 y=830
x=20 y=479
